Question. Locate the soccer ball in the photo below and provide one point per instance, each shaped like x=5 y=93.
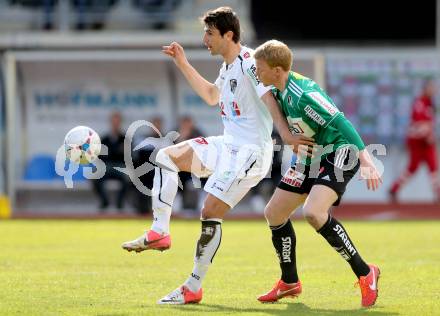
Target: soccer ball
x=82 y=145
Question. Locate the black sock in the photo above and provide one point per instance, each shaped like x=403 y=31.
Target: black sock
x=284 y=241
x=337 y=237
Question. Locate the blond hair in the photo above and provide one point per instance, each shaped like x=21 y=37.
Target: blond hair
x=275 y=54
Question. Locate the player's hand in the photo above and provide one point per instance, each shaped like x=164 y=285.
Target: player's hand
x=430 y=139
x=175 y=50
x=301 y=145
x=368 y=171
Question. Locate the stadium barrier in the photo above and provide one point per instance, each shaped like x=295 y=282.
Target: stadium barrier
x=48 y=92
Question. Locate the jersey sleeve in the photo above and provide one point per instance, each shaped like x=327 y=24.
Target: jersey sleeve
x=347 y=129
x=250 y=71
x=220 y=79
x=319 y=108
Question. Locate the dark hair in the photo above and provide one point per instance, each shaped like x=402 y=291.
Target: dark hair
x=224 y=20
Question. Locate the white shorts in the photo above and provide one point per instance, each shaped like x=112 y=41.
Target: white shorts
x=232 y=170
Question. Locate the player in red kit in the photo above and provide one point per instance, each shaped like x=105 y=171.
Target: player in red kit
x=421 y=141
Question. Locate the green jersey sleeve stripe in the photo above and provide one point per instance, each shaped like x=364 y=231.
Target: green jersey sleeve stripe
x=293 y=88
x=294 y=92
x=296 y=86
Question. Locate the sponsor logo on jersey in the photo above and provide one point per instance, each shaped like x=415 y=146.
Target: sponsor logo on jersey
x=323 y=102
x=233 y=84
x=235 y=119
x=314 y=115
x=222 y=109
x=246 y=55
x=298 y=126
x=293 y=178
x=201 y=140
x=235 y=109
x=289 y=99
x=252 y=71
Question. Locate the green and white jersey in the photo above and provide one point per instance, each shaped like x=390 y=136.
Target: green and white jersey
x=309 y=111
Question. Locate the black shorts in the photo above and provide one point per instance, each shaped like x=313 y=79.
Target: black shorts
x=300 y=178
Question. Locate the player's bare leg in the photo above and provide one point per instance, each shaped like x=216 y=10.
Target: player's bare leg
x=169 y=161
x=213 y=212
x=281 y=205
x=277 y=212
x=315 y=208
x=317 y=204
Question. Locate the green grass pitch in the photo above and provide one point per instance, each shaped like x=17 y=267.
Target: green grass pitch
x=78 y=268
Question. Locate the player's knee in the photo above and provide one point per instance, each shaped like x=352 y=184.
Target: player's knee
x=267 y=212
x=164 y=160
x=212 y=210
x=275 y=216
x=181 y=155
x=209 y=212
x=270 y=214
x=316 y=218
x=310 y=215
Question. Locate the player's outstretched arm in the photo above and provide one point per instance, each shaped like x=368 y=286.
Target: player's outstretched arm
x=300 y=144
x=205 y=89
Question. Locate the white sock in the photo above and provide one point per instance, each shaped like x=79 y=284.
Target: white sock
x=194 y=282
x=165 y=185
x=164 y=192
x=207 y=246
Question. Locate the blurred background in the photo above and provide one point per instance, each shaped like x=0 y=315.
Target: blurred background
x=99 y=63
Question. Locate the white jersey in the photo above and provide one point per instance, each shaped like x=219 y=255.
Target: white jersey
x=246 y=119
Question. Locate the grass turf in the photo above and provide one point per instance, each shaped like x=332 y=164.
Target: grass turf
x=78 y=268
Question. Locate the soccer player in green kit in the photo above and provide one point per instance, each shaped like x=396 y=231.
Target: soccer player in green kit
x=319 y=177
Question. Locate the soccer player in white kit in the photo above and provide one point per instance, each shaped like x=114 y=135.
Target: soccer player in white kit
x=234 y=162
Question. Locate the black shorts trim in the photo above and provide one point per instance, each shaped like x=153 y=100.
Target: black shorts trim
x=299 y=178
